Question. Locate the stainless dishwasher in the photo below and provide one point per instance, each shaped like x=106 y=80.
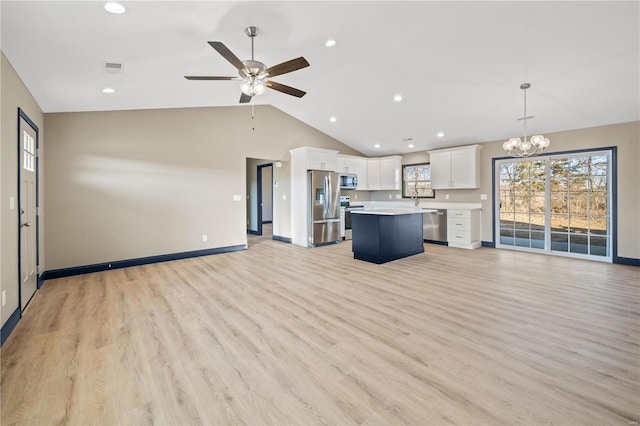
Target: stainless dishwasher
x=434 y=226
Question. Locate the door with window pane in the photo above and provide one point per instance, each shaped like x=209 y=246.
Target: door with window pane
x=580 y=204
x=558 y=204
x=522 y=203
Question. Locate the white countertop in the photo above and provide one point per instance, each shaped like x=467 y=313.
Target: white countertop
x=423 y=205
x=388 y=212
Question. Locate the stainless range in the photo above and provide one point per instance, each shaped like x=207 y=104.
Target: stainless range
x=345 y=202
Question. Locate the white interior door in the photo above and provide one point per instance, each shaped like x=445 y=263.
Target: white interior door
x=28 y=246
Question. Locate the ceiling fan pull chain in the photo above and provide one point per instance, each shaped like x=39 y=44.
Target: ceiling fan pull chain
x=252 y=118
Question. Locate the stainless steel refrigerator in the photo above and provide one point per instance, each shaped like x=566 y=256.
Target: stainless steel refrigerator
x=324 y=208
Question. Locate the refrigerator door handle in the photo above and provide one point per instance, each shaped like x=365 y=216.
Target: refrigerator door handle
x=327 y=198
x=327 y=220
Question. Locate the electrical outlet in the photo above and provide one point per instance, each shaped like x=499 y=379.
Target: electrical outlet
x=390 y=196
x=356 y=195
x=483 y=196
x=284 y=197
x=237 y=198
x=204 y=238
x=4 y=297
x=446 y=196
x=12 y=203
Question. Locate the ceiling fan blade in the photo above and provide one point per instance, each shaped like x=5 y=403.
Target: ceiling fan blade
x=245 y=98
x=285 y=67
x=202 y=77
x=285 y=89
x=227 y=54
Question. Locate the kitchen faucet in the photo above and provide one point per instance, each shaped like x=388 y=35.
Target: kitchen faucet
x=414 y=197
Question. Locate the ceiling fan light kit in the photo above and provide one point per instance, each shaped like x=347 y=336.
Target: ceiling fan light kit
x=254 y=74
x=517 y=147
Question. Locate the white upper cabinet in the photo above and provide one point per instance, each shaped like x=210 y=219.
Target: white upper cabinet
x=373 y=174
x=346 y=164
x=390 y=170
x=455 y=168
x=384 y=173
x=320 y=159
x=362 y=170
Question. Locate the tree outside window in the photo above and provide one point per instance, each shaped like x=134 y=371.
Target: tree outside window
x=416 y=181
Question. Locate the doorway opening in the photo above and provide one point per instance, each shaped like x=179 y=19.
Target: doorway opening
x=265 y=199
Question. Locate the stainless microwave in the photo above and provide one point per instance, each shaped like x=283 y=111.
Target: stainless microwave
x=348 y=181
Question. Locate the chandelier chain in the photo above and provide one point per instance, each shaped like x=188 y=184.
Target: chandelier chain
x=525 y=114
x=517 y=147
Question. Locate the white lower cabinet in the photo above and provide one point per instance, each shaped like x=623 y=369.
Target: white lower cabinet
x=463 y=228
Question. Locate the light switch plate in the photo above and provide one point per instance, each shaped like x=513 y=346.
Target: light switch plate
x=12 y=203
x=284 y=197
x=483 y=196
x=446 y=196
x=237 y=197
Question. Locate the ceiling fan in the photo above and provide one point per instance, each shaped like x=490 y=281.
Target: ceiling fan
x=254 y=74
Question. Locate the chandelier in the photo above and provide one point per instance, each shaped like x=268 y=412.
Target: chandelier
x=254 y=78
x=517 y=147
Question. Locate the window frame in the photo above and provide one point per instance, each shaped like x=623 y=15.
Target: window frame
x=404 y=180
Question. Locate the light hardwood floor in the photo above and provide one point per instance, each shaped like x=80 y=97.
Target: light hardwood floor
x=280 y=334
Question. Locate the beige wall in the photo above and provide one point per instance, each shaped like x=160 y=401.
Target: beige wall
x=14 y=95
x=282 y=199
x=129 y=184
x=625 y=136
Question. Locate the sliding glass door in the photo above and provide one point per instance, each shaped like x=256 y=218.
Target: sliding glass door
x=556 y=204
x=522 y=203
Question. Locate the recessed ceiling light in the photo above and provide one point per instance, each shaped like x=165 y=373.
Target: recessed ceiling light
x=330 y=43
x=108 y=90
x=440 y=134
x=332 y=119
x=397 y=98
x=377 y=145
x=114 y=7
x=411 y=145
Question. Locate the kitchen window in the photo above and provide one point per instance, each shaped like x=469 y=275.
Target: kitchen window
x=416 y=181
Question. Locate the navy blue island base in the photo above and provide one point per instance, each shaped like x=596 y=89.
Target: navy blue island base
x=387 y=235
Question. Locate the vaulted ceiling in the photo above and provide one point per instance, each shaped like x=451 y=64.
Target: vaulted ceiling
x=457 y=65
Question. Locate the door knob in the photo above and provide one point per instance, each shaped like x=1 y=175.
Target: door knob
x=25 y=225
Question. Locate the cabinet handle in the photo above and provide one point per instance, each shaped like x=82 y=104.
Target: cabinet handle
x=458 y=236
x=458 y=224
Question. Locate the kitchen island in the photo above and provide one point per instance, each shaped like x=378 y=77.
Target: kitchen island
x=383 y=235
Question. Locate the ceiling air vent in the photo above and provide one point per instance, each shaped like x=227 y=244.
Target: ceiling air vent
x=112 y=67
